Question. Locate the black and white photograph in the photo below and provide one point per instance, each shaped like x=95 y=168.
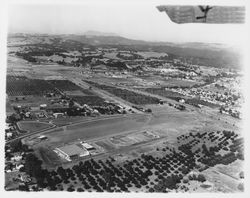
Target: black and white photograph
x=124 y=97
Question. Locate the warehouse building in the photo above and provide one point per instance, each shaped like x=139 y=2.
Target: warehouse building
x=71 y=152
x=87 y=146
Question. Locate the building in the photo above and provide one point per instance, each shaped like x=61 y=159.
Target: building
x=71 y=152
x=87 y=146
x=42 y=137
x=43 y=106
x=58 y=115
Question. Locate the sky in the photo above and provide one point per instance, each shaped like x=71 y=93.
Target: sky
x=135 y=21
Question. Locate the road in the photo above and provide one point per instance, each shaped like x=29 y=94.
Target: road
x=105 y=95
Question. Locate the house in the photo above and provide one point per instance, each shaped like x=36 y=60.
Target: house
x=182 y=101
x=42 y=137
x=19 y=166
x=34 y=108
x=56 y=115
x=25 y=178
x=9 y=135
x=27 y=114
x=43 y=106
x=95 y=112
x=9 y=127
x=16 y=158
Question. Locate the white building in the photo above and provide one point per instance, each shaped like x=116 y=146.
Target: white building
x=70 y=152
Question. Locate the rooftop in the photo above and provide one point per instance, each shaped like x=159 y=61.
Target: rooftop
x=72 y=150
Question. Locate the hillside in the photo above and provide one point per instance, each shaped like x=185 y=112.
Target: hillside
x=214 y=55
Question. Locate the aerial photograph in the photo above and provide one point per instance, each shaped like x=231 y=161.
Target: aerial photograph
x=120 y=98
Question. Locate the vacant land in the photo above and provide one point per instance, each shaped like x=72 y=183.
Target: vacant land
x=32 y=126
x=165 y=93
x=152 y=54
x=178 y=83
x=97 y=129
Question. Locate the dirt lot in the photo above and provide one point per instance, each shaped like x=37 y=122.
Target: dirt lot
x=225 y=178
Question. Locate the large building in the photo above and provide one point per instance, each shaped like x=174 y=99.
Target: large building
x=71 y=152
x=87 y=146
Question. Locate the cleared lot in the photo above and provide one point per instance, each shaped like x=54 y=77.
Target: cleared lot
x=96 y=129
x=32 y=126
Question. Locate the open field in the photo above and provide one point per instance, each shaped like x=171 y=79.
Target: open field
x=96 y=129
x=165 y=93
x=32 y=126
x=226 y=178
x=151 y=54
x=61 y=121
x=30 y=100
x=164 y=119
x=177 y=83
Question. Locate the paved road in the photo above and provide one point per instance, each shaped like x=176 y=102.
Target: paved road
x=106 y=95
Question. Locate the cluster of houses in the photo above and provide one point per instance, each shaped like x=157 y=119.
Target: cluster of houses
x=15 y=163
x=9 y=131
x=226 y=98
x=230 y=111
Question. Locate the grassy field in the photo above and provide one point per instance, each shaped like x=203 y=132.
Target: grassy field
x=69 y=120
x=32 y=126
x=151 y=54
x=165 y=120
x=178 y=83
x=164 y=93
x=96 y=129
x=32 y=101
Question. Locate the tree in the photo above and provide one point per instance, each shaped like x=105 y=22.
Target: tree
x=201 y=178
x=33 y=168
x=14 y=118
x=80 y=190
x=70 y=189
x=241 y=175
x=23 y=187
x=18 y=146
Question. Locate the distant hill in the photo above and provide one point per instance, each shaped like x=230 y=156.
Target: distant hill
x=215 y=55
x=208 y=54
x=97 y=33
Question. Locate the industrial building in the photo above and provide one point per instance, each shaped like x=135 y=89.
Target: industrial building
x=87 y=146
x=71 y=152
